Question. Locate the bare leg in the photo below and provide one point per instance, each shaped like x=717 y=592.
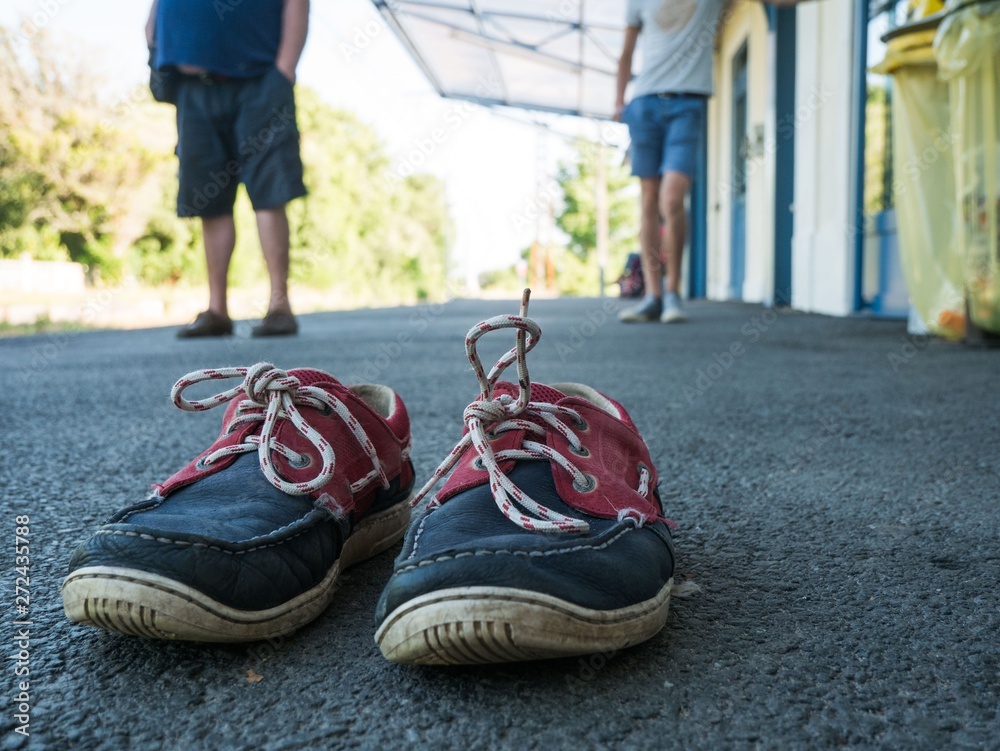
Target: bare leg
x=675 y=186
x=649 y=236
x=272 y=226
x=219 y=234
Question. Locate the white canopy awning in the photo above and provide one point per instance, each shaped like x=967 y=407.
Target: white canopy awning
x=546 y=55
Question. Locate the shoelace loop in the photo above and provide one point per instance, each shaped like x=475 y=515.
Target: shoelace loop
x=270 y=395
x=492 y=414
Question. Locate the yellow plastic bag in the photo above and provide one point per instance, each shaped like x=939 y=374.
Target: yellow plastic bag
x=924 y=182
x=967 y=49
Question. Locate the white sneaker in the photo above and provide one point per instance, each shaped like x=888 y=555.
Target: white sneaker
x=672 y=310
x=646 y=311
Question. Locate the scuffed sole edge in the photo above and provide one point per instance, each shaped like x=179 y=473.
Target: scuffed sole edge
x=139 y=603
x=478 y=625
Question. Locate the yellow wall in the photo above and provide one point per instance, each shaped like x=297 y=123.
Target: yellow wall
x=745 y=22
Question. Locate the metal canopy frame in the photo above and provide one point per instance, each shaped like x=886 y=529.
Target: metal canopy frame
x=556 y=56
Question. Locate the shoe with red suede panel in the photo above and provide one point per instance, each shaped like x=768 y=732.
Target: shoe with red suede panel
x=307 y=477
x=548 y=539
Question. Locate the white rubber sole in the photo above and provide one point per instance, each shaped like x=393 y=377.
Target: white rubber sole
x=477 y=625
x=143 y=604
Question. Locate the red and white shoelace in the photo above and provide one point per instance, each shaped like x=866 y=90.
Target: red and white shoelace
x=270 y=395
x=491 y=415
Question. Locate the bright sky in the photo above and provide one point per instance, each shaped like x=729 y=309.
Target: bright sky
x=488 y=160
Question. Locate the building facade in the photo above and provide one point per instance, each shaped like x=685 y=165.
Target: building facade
x=797 y=195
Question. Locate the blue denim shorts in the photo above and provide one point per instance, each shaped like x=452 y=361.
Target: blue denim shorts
x=666 y=134
x=237 y=131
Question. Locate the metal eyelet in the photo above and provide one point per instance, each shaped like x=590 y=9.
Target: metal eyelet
x=478 y=464
x=202 y=464
x=582 y=451
x=300 y=462
x=326 y=410
x=580 y=424
x=591 y=483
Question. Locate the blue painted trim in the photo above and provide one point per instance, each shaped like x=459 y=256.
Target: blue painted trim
x=698 y=257
x=740 y=121
x=772 y=17
x=892 y=300
x=784 y=189
x=861 y=82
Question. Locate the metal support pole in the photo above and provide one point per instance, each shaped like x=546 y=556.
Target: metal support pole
x=603 y=218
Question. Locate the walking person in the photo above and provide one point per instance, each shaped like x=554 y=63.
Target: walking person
x=235 y=64
x=666 y=118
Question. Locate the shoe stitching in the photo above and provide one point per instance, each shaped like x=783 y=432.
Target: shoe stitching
x=527 y=553
x=187 y=543
x=416 y=536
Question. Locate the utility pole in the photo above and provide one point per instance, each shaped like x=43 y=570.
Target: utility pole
x=603 y=220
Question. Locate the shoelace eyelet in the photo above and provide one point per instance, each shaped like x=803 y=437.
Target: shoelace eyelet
x=583 y=451
x=591 y=483
x=202 y=464
x=300 y=462
x=478 y=464
x=326 y=410
x=580 y=424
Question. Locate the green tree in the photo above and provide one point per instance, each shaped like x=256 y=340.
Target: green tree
x=69 y=176
x=360 y=231
x=92 y=182
x=578 y=216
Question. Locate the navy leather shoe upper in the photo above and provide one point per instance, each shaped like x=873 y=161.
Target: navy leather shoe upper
x=232 y=536
x=468 y=542
x=263 y=514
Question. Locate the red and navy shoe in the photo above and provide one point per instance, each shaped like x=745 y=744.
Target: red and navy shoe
x=307 y=477
x=547 y=540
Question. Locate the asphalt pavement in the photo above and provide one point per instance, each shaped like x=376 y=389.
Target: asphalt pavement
x=835 y=484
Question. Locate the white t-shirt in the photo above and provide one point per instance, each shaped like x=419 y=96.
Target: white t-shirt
x=677 y=44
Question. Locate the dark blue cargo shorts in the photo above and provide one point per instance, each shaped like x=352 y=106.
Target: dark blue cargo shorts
x=233 y=130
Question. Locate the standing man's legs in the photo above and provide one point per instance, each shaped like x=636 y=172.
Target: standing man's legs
x=219 y=234
x=272 y=225
x=207 y=190
x=272 y=174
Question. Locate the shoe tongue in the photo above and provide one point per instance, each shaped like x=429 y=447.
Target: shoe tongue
x=310 y=377
x=539 y=392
